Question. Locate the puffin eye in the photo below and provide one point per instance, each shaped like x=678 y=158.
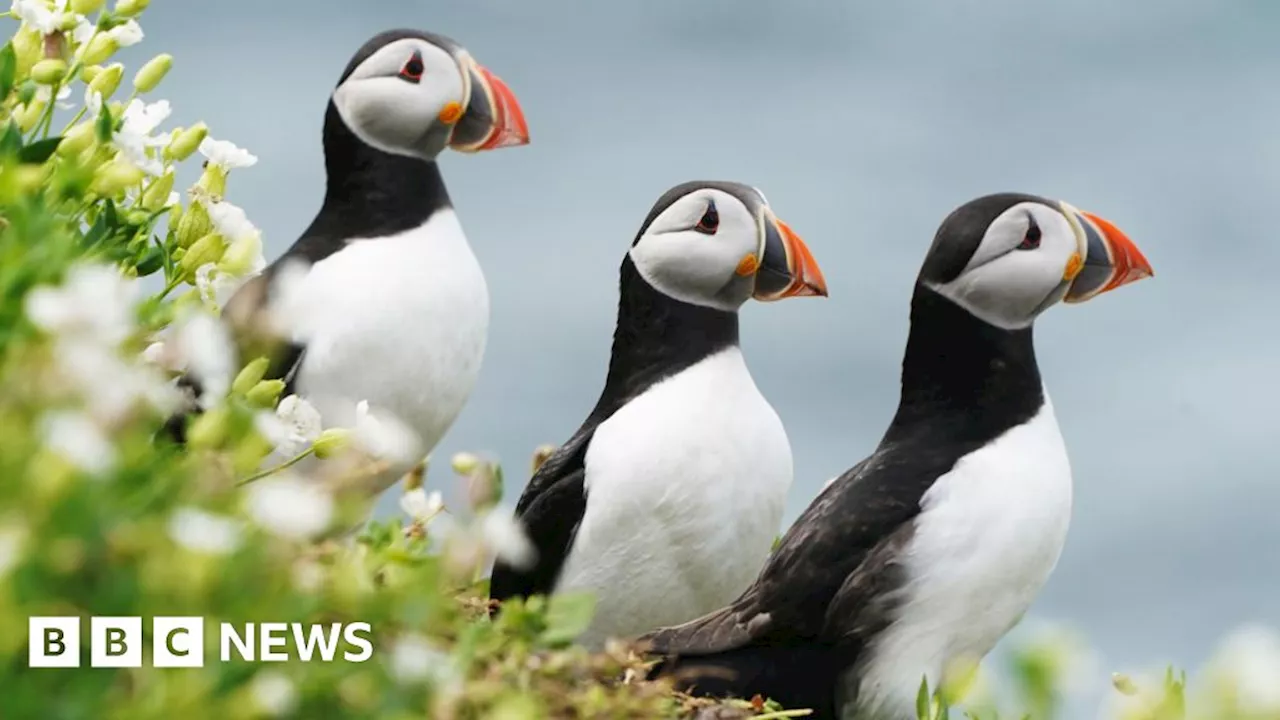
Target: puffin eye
x=412 y=70
x=710 y=220
x=1031 y=240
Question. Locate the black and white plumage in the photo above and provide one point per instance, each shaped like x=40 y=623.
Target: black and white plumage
x=928 y=551
x=392 y=307
x=665 y=502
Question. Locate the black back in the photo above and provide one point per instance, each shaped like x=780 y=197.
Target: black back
x=656 y=337
x=829 y=587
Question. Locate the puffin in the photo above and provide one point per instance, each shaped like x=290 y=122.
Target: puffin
x=911 y=565
x=394 y=309
x=664 y=503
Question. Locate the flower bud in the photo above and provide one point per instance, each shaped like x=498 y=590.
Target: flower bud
x=210 y=429
x=250 y=452
x=115 y=177
x=156 y=196
x=128 y=8
x=213 y=180
x=30 y=114
x=207 y=249
x=187 y=142
x=266 y=393
x=25 y=179
x=66 y=24
x=77 y=140
x=153 y=72
x=84 y=7
x=464 y=463
x=101 y=47
x=106 y=81
x=28 y=48
x=484 y=487
x=331 y=442
x=89 y=72
x=49 y=71
x=541 y=454
x=250 y=376
x=243 y=256
x=193 y=225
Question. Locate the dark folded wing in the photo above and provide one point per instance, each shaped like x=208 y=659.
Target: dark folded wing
x=550 y=510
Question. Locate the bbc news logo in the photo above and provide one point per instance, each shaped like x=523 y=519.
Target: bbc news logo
x=178 y=642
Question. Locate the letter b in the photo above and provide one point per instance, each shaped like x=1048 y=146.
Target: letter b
x=53 y=642
x=115 y=642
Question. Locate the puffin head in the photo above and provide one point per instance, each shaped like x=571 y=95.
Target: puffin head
x=717 y=244
x=1007 y=257
x=414 y=93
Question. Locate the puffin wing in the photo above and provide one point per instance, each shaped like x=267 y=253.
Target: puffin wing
x=550 y=509
x=822 y=592
x=246 y=319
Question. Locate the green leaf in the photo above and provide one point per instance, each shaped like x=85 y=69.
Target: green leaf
x=109 y=212
x=568 y=615
x=151 y=261
x=922 y=699
x=8 y=69
x=39 y=151
x=97 y=232
x=26 y=91
x=105 y=126
x=11 y=140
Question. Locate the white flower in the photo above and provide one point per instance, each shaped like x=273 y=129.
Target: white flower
x=140 y=120
x=1247 y=666
x=205 y=346
x=111 y=386
x=77 y=438
x=95 y=301
x=44 y=93
x=504 y=535
x=274 y=693
x=385 y=437
x=226 y=155
x=39 y=15
x=229 y=220
x=215 y=286
x=294 y=426
x=130 y=33
x=83 y=31
x=420 y=506
x=13 y=536
x=290 y=507
x=93 y=101
x=199 y=531
x=415 y=658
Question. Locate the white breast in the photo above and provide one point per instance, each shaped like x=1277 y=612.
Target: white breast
x=988 y=536
x=400 y=321
x=686 y=486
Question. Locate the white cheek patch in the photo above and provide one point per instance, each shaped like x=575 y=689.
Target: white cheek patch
x=1007 y=292
x=384 y=113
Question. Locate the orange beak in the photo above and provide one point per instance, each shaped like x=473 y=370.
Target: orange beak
x=493 y=118
x=787 y=268
x=1110 y=259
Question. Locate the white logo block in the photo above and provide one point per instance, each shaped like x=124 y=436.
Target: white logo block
x=53 y=642
x=177 y=642
x=115 y=642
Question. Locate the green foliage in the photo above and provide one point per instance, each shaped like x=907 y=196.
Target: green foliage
x=102 y=516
